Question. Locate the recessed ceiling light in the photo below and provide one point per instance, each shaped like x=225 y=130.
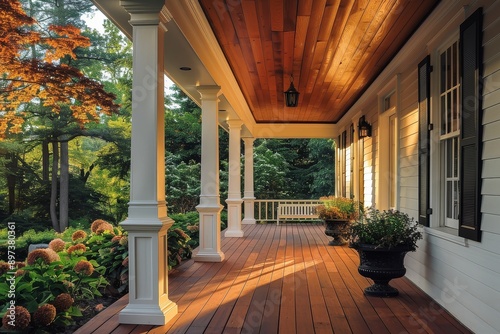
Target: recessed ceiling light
x=185 y=68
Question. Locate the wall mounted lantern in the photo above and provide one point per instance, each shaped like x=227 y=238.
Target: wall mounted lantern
x=364 y=128
x=291 y=95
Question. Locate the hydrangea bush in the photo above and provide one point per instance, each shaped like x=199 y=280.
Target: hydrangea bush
x=78 y=266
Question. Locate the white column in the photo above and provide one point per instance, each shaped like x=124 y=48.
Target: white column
x=147 y=221
x=249 y=197
x=234 y=188
x=209 y=207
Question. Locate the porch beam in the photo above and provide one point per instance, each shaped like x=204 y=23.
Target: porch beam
x=147 y=221
x=209 y=207
x=234 y=187
x=248 y=195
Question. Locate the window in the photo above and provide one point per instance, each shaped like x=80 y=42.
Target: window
x=390 y=101
x=450 y=133
x=457 y=135
x=342 y=163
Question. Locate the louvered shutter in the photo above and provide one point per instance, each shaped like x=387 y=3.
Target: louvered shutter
x=424 y=69
x=471 y=63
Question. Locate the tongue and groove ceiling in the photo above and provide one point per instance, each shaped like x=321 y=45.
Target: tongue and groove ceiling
x=333 y=49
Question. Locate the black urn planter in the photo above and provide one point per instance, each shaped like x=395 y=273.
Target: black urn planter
x=381 y=265
x=338 y=229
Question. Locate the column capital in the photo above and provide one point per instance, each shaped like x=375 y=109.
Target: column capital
x=141 y=6
x=146 y=12
x=248 y=140
x=209 y=91
x=234 y=123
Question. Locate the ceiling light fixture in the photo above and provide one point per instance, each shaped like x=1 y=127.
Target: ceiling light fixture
x=185 y=68
x=291 y=95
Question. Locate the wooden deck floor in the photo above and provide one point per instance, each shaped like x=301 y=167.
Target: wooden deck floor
x=284 y=279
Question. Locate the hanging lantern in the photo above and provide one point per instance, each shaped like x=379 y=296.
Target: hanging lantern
x=291 y=95
x=364 y=128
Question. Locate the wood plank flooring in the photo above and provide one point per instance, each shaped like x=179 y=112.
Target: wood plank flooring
x=284 y=279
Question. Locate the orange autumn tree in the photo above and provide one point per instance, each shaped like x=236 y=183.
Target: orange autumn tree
x=47 y=80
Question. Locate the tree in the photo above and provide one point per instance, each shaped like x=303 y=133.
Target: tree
x=40 y=84
x=270 y=172
x=50 y=78
x=322 y=172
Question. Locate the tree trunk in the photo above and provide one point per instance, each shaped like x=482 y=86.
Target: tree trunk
x=64 y=187
x=53 y=190
x=11 y=181
x=45 y=160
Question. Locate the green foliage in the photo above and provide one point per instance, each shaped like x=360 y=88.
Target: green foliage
x=389 y=229
x=110 y=249
x=321 y=152
x=40 y=283
x=270 y=170
x=183 y=237
x=24 y=240
x=182 y=184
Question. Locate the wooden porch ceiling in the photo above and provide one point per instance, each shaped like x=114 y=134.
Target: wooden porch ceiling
x=284 y=279
x=333 y=49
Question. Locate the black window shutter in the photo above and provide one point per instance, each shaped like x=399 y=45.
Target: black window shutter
x=424 y=70
x=471 y=63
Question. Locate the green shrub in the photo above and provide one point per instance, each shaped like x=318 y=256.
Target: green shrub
x=24 y=240
x=389 y=228
x=48 y=277
x=110 y=249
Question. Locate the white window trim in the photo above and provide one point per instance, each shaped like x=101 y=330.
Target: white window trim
x=382 y=195
x=437 y=218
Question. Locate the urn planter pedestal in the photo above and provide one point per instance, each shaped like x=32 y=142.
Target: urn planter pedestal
x=381 y=265
x=338 y=229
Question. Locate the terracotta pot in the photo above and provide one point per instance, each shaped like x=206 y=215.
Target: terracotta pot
x=381 y=265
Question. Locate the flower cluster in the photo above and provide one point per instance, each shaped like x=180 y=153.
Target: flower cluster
x=84 y=267
x=100 y=226
x=44 y=315
x=47 y=255
x=57 y=245
x=78 y=235
x=63 y=302
x=22 y=316
x=77 y=249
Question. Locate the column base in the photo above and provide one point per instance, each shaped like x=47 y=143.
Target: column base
x=208 y=257
x=249 y=221
x=234 y=218
x=234 y=233
x=141 y=314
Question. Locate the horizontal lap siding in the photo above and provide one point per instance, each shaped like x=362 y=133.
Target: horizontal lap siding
x=463 y=275
x=408 y=139
x=370 y=151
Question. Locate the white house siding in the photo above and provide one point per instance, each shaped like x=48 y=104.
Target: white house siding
x=461 y=275
x=408 y=136
x=370 y=169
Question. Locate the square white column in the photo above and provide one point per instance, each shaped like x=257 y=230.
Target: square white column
x=209 y=207
x=249 y=197
x=234 y=192
x=147 y=221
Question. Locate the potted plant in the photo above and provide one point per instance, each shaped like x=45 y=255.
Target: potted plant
x=382 y=239
x=337 y=213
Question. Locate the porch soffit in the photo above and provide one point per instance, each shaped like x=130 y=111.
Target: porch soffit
x=334 y=49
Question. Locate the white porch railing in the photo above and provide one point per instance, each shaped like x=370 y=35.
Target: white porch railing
x=266 y=210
